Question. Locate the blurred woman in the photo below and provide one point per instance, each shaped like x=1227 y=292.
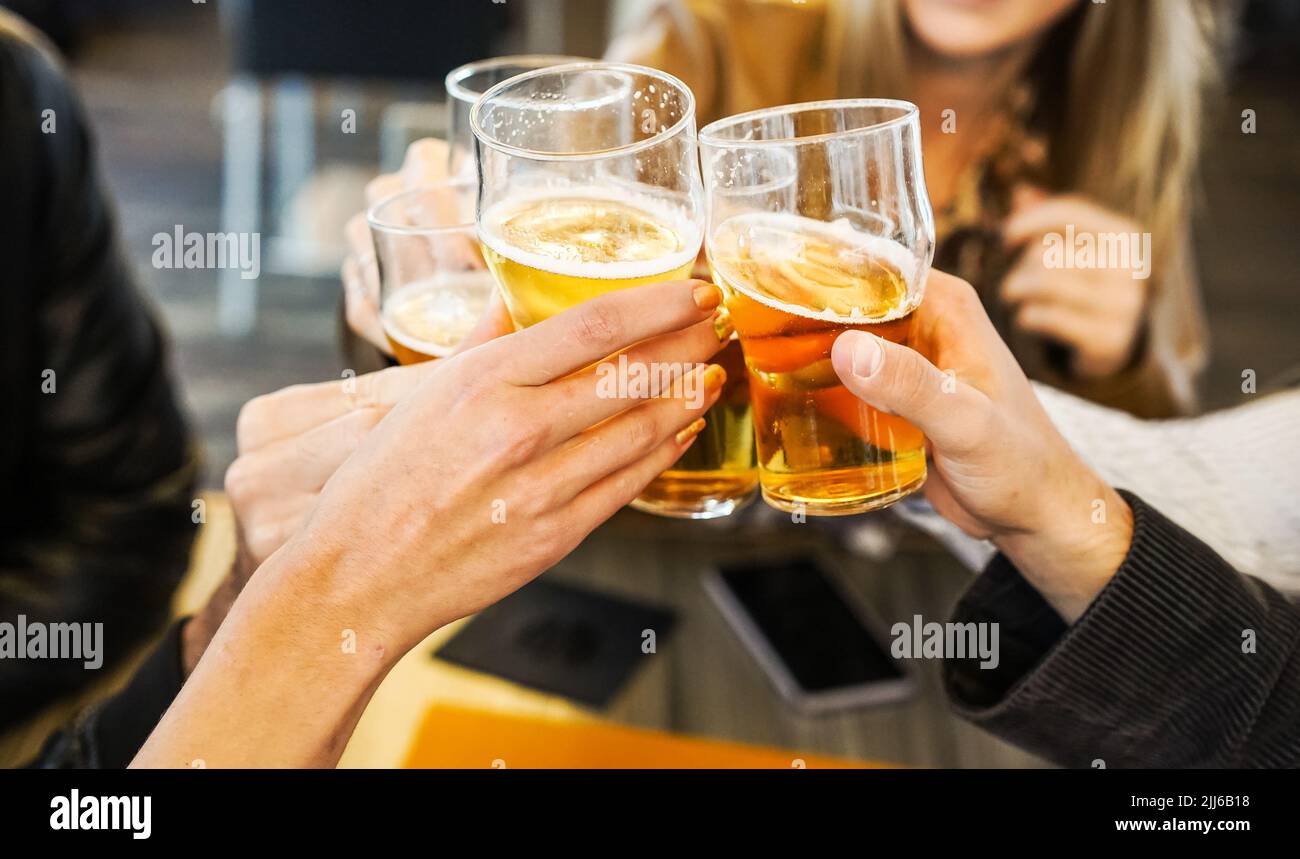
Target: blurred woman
x=1039 y=116
x=97 y=466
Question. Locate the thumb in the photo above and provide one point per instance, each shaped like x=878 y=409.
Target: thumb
x=901 y=381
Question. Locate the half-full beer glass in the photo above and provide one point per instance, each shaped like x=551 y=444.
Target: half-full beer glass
x=433 y=283
x=819 y=222
x=589 y=182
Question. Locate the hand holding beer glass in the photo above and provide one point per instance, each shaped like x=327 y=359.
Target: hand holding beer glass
x=589 y=182
x=819 y=222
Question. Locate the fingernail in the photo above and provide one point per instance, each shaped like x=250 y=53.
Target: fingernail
x=691 y=431
x=707 y=296
x=714 y=377
x=722 y=326
x=866 y=355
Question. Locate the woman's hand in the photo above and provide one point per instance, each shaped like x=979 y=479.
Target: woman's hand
x=508 y=456
x=1097 y=312
x=494 y=466
x=1000 y=470
x=290 y=442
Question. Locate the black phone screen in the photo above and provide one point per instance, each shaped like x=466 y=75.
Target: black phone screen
x=822 y=642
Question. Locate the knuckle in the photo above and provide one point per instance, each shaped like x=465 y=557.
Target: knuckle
x=629 y=484
x=361 y=422
x=378 y=187
x=965 y=293
x=548 y=550
x=918 y=388
x=477 y=391
x=262 y=538
x=644 y=430
x=522 y=441
x=352 y=311
x=598 y=326
x=911 y=379
x=240 y=479
x=364 y=391
x=253 y=418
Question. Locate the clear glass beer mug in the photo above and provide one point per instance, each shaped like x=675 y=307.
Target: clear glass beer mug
x=465 y=84
x=433 y=283
x=819 y=221
x=589 y=182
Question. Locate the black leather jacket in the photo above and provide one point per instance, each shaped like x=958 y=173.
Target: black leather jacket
x=96 y=469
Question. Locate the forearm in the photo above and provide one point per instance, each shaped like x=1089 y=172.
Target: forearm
x=283 y=682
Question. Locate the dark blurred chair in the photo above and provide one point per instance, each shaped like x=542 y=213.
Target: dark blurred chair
x=287 y=45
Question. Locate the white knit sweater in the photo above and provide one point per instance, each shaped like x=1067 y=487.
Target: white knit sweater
x=1231 y=478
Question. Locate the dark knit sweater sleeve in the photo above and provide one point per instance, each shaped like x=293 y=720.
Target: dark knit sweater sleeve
x=1179 y=662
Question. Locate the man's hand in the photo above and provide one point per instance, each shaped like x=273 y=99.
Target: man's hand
x=1000 y=471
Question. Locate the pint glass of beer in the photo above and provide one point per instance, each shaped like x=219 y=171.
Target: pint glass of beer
x=465 y=84
x=589 y=182
x=819 y=222
x=433 y=283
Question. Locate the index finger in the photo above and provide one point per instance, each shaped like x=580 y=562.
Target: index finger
x=596 y=329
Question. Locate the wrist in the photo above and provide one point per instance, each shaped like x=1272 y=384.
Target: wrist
x=1078 y=544
x=321 y=592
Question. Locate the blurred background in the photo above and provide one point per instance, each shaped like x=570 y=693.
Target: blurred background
x=226 y=115
x=271 y=117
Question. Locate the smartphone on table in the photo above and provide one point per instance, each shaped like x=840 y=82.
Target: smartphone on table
x=816 y=641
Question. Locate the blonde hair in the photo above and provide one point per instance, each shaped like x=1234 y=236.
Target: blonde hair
x=1131 y=112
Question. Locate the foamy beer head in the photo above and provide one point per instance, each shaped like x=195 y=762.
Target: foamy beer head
x=434 y=284
x=589 y=182
x=428 y=319
x=819 y=222
x=811 y=269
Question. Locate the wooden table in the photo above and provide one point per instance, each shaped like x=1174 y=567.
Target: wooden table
x=702 y=681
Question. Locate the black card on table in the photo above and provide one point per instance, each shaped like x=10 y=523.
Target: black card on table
x=560 y=639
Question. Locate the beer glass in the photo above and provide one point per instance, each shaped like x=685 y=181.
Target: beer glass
x=819 y=222
x=589 y=182
x=464 y=86
x=433 y=283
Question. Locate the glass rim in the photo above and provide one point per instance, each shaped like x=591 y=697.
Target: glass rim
x=454 y=81
x=688 y=116
x=709 y=136
x=377 y=223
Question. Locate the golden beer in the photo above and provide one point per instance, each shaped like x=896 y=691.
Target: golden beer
x=793 y=285
x=717 y=474
x=429 y=318
x=553 y=253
